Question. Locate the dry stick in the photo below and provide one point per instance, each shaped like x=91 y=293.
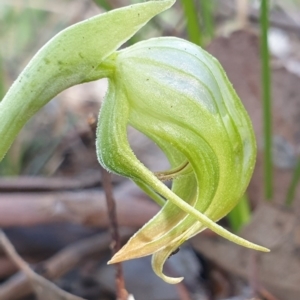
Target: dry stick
x=242 y=12
x=253 y=273
x=122 y=293
x=38 y=184
x=11 y=253
x=84 y=207
x=43 y=288
x=257 y=287
x=62 y=262
x=266 y=294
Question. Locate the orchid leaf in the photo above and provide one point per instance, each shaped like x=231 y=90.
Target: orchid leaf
x=72 y=57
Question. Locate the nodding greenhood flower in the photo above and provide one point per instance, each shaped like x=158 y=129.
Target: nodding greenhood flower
x=179 y=96
x=172 y=91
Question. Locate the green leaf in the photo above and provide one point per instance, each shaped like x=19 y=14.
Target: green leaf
x=72 y=57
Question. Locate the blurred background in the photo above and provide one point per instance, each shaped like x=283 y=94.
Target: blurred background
x=52 y=205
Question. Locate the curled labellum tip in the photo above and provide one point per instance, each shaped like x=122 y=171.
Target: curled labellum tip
x=179 y=96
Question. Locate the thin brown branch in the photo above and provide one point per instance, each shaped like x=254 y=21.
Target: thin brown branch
x=44 y=289
x=266 y=294
x=253 y=273
x=59 y=264
x=122 y=293
x=111 y=208
x=12 y=254
x=242 y=12
x=257 y=287
x=7 y=267
x=84 y=207
x=28 y=184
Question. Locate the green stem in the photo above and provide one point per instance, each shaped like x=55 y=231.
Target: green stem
x=103 y=4
x=192 y=22
x=208 y=20
x=292 y=188
x=266 y=98
x=240 y=215
x=2 y=83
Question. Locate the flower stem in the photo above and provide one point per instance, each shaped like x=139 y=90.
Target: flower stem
x=192 y=23
x=266 y=98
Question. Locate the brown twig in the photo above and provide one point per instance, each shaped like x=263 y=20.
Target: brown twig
x=257 y=287
x=242 y=12
x=44 y=289
x=122 y=293
x=111 y=207
x=84 y=207
x=12 y=254
x=253 y=273
x=59 y=264
x=7 y=267
x=266 y=294
x=28 y=184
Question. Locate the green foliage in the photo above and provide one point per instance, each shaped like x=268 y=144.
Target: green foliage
x=192 y=23
x=69 y=59
x=103 y=4
x=240 y=214
x=266 y=98
x=207 y=9
x=2 y=81
x=290 y=197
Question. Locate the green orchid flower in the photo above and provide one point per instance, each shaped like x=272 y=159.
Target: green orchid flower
x=172 y=91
